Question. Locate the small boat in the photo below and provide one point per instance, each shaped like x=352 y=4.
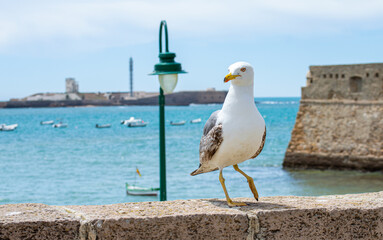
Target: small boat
x=131 y=120
x=4 y=127
x=198 y=120
x=60 y=125
x=50 y=122
x=103 y=126
x=140 y=191
x=180 y=123
x=137 y=124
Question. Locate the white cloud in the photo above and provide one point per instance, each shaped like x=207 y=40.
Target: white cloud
x=104 y=23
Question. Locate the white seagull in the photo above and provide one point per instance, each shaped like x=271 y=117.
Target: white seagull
x=235 y=133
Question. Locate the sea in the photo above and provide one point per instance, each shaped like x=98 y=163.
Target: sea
x=85 y=165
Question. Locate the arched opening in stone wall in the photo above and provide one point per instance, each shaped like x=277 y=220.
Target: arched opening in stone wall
x=355 y=84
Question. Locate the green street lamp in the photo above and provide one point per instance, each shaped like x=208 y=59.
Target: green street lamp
x=167 y=70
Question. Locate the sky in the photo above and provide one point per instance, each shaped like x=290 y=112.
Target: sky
x=42 y=42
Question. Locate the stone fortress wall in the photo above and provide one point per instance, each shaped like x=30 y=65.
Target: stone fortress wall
x=340 y=120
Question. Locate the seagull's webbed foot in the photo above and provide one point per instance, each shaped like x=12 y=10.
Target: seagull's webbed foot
x=249 y=180
x=235 y=204
x=229 y=201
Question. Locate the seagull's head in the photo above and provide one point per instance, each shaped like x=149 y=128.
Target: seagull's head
x=241 y=74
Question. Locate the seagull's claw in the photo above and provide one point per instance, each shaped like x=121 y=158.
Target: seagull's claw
x=235 y=204
x=253 y=188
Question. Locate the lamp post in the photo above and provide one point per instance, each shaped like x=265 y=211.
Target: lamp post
x=167 y=70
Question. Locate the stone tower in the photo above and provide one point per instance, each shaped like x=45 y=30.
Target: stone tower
x=340 y=120
x=71 y=86
x=131 y=76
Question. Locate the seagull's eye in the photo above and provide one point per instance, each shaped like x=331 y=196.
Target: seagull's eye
x=243 y=69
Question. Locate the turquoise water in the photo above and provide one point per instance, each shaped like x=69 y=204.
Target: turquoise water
x=84 y=165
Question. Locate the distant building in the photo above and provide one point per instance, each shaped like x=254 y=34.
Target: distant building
x=71 y=86
x=52 y=97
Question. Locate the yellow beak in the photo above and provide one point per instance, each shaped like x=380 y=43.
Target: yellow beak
x=229 y=77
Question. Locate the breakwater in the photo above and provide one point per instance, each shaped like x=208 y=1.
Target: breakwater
x=183 y=98
x=357 y=216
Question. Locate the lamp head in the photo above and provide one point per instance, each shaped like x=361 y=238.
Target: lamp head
x=167 y=70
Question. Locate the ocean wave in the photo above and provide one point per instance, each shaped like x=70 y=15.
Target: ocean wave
x=207 y=104
x=277 y=102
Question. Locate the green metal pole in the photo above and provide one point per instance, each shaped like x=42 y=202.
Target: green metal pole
x=162 y=147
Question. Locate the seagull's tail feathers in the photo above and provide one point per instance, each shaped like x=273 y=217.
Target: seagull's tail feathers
x=202 y=169
x=196 y=172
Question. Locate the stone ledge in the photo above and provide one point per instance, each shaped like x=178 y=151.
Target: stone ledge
x=357 y=216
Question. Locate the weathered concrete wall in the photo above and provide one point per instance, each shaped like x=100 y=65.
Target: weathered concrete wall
x=340 y=120
x=358 y=216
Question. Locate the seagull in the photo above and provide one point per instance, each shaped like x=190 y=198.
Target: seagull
x=235 y=133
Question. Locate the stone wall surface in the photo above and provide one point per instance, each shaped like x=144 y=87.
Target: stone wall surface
x=357 y=216
x=337 y=135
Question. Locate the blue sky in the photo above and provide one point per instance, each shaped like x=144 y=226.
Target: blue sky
x=43 y=42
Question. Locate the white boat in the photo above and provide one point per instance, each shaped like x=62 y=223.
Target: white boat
x=50 y=122
x=131 y=120
x=103 y=126
x=137 y=124
x=198 y=120
x=180 y=123
x=140 y=191
x=60 y=125
x=4 y=127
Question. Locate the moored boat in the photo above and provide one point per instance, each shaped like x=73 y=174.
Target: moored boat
x=137 y=124
x=198 y=120
x=60 y=125
x=180 y=123
x=4 y=127
x=131 y=120
x=140 y=191
x=103 y=125
x=50 y=122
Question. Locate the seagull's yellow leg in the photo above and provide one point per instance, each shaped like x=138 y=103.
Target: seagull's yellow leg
x=229 y=202
x=249 y=180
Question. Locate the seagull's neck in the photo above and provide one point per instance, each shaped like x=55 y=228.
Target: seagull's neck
x=239 y=95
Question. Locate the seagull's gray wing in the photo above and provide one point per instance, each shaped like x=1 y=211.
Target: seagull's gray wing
x=261 y=146
x=211 y=122
x=210 y=142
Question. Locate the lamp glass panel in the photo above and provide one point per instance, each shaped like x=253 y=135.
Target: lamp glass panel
x=168 y=82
